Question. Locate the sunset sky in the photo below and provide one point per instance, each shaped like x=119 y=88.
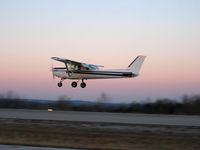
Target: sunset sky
x=106 y=32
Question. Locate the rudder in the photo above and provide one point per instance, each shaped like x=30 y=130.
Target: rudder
x=136 y=65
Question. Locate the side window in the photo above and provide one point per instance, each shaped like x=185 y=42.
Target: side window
x=73 y=67
x=70 y=66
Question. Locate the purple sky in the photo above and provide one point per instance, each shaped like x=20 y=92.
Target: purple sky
x=110 y=33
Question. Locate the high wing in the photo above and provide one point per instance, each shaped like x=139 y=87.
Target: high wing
x=76 y=63
x=65 y=60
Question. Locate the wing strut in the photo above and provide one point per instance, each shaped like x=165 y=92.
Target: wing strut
x=67 y=69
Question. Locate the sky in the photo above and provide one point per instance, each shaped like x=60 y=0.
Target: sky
x=105 y=32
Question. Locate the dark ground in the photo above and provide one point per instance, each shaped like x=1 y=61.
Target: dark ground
x=98 y=135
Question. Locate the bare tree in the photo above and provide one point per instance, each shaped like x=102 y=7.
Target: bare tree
x=64 y=98
x=63 y=102
x=104 y=98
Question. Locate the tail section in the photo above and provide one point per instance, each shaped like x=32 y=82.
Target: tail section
x=136 y=65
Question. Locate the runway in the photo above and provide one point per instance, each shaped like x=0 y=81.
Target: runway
x=122 y=118
x=18 y=147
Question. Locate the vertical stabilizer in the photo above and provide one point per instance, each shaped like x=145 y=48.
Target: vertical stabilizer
x=136 y=65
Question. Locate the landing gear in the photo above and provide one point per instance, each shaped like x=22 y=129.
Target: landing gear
x=83 y=84
x=59 y=84
x=74 y=84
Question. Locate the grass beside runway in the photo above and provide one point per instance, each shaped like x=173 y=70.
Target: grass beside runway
x=98 y=135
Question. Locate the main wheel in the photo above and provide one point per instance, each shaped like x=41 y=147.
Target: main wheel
x=83 y=84
x=74 y=84
x=59 y=84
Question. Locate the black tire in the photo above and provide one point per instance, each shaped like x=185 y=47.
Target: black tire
x=74 y=84
x=83 y=84
x=59 y=84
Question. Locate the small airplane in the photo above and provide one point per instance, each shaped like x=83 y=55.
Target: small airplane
x=82 y=71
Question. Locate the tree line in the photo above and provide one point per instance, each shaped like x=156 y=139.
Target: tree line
x=188 y=105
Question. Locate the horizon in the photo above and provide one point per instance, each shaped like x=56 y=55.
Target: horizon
x=109 y=33
x=104 y=99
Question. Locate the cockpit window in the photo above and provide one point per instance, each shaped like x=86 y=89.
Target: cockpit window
x=73 y=67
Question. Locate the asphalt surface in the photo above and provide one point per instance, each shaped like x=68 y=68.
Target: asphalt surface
x=122 y=118
x=17 y=147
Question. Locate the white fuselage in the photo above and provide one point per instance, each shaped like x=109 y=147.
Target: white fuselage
x=87 y=74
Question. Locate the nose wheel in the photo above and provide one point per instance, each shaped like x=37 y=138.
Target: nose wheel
x=59 y=84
